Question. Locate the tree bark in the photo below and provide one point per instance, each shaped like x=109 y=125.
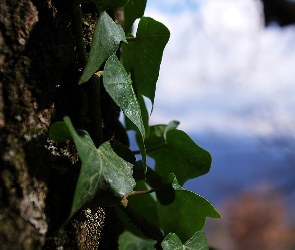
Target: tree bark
x=39 y=72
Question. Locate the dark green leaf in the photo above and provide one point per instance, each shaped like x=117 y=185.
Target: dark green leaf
x=138 y=171
x=128 y=241
x=106 y=39
x=119 y=86
x=102 y=169
x=189 y=211
x=171 y=125
x=122 y=151
x=132 y=10
x=165 y=194
x=197 y=242
x=145 y=117
x=178 y=154
x=59 y=132
x=145 y=205
x=144 y=55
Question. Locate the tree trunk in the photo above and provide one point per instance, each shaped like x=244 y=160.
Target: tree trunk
x=40 y=68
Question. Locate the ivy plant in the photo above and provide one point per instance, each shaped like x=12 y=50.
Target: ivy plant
x=109 y=174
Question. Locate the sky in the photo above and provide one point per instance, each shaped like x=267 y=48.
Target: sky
x=222 y=70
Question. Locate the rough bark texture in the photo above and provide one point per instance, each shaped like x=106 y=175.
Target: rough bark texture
x=39 y=70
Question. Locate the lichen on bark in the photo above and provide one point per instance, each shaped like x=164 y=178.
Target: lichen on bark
x=39 y=71
x=29 y=75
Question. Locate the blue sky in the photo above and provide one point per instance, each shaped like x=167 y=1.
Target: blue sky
x=174 y=6
x=231 y=75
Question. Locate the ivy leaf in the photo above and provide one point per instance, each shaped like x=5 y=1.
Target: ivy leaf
x=102 y=169
x=178 y=153
x=171 y=125
x=189 y=211
x=132 y=10
x=128 y=241
x=106 y=39
x=145 y=117
x=123 y=151
x=145 y=205
x=165 y=194
x=59 y=132
x=138 y=171
x=144 y=55
x=197 y=242
x=119 y=86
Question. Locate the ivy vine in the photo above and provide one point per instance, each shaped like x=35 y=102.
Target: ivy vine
x=110 y=175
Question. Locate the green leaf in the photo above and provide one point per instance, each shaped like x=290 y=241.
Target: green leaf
x=138 y=171
x=102 y=170
x=197 y=242
x=106 y=39
x=132 y=10
x=128 y=241
x=145 y=205
x=144 y=55
x=119 y=86
x=165 y=194
x=189 y=211
x=109 y=4
x=59 y=132
x=122 y=151
x=145 y=117
x=178 y=154
x=171 y=125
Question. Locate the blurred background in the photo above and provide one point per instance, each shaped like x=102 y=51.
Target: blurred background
x=228 y=76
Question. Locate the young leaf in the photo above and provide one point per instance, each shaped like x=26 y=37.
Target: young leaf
x=128 y=241
x=119 y=86
x=171 y=125
x=189 y=211
x=132 y=10
x=178 y=153
x=101 y=168
x=197 y=242
x=144 y=55
x=106 y=39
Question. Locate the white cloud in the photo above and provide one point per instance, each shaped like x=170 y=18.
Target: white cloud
x=221 y=63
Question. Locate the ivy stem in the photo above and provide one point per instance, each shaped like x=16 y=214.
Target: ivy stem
x=136 y=152
x=92 y=87
x=131 y=38
x=145 y=226
x=124 y=201
x=77 y=31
